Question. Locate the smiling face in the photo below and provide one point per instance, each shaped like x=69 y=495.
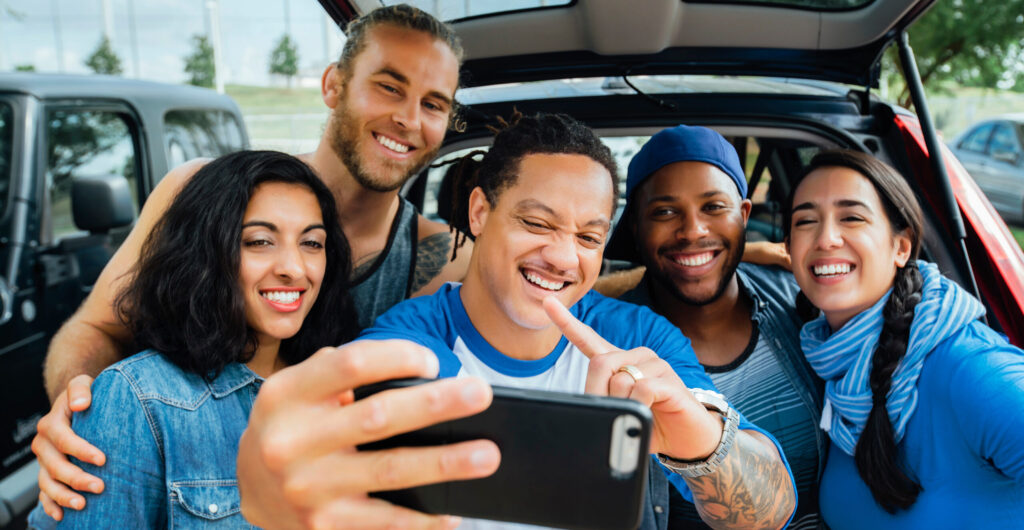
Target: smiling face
x=689 y=225
x=282 y=259
x=844 y=251
x=544 y=237
x=393 y=107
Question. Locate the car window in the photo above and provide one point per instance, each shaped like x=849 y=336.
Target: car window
x=977 y=139
x=6 y=151
x=200 y=133
x=1004 y=141
x=86 y=143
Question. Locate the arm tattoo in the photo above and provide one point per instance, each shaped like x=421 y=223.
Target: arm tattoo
x=751 y=488
x=431 y=256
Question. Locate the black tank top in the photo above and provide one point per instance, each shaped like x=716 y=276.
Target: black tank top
x=389 y=279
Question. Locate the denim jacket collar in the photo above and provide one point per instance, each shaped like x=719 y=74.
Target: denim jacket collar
x=233 y=377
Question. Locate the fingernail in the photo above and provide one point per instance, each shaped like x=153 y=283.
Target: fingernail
x=472 y=393
x=78 y=402
x=77 y=504
x=430 y=363
x=95 y=487
x=376 y=418
x=482 y=459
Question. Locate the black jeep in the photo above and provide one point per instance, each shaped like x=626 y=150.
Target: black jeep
x=78 y=156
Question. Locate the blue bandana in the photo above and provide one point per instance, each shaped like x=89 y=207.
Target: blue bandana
x=843 y=358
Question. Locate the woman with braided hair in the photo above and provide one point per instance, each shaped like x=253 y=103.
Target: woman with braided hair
x=924 y=403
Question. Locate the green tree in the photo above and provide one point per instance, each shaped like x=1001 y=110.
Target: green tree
x=970 y=43
x=103 y=60
x=199 y=64
x=25 y=68
x=284 y=59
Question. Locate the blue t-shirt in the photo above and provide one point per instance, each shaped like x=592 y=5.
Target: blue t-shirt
x=440 y=322
x=964 y=444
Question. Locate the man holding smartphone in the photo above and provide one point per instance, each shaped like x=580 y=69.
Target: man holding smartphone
x=540 y=209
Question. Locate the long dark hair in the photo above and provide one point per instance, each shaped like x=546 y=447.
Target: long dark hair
x=514 y=139
x=182 y=297
x=876 y=454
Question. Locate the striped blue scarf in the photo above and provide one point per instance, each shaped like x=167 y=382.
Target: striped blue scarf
x=843 y=358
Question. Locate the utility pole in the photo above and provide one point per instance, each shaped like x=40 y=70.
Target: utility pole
x=328 y=23
x=57 y=37
x=134 y=39
x=108 y=20
x=287 y=18
x=218 y=65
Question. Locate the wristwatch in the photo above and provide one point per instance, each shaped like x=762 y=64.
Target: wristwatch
x=716 y=402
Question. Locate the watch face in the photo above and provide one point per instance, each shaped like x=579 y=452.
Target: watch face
x=711 y=400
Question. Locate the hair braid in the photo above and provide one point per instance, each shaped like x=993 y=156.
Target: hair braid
x=876 y=453
x=462 y=176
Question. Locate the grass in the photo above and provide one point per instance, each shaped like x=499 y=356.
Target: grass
x=1018 y=234
x=274 y=100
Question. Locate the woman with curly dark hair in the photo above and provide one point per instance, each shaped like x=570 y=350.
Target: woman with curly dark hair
x=246 y=273
x=924 y=403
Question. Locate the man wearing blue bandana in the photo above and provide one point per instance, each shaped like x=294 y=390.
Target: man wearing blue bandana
x=685 y=220
x=924 y=403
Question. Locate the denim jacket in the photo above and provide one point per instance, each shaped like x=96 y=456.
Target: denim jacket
x=171 y=441
x=772 y=292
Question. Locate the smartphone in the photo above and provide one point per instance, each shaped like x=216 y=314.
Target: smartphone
x=567 y=460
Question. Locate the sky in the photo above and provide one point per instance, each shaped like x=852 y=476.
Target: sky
x=32 y=31
x=163 y=30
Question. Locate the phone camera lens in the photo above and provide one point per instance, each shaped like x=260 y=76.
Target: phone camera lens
x=633 y=432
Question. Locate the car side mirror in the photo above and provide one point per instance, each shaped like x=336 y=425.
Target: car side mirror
x=101 y=202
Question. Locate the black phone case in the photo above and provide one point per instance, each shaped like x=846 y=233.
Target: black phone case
x=554 y=470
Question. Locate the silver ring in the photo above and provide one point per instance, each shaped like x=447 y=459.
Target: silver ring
x=633 y=372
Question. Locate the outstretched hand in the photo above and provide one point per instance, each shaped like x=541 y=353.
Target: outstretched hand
x=683 y=428
x=297 y=460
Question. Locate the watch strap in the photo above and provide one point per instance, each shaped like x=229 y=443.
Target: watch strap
x=713 y=401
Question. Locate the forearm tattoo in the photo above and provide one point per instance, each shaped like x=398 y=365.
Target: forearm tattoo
x=431 y=256
x=751 y=488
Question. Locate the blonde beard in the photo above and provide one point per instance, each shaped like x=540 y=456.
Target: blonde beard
x=344 y=141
